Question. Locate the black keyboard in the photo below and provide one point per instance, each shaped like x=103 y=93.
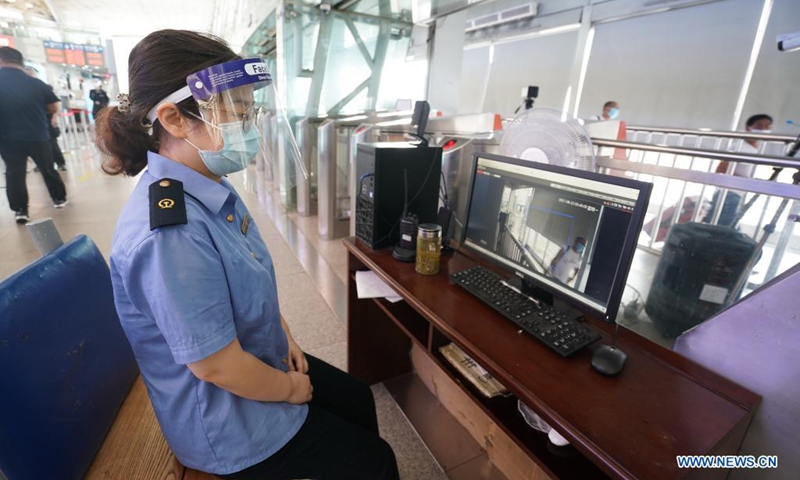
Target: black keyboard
x=558 y=330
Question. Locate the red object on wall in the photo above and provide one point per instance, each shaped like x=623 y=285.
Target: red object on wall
x=622 y=135
x=6 y=41
x=498 y=122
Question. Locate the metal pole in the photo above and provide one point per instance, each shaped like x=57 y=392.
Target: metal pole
x=305 y=207
x=768 y=230
x=769 y=137
x=657 y=222
x=364 y=133
x=723 y=194
x=326 y=154
x=380 y=56
x=85 y=123
x=62 y=125
x=763 y=215
x=361 y=46
x=74 y=130
x=702 y=198
x=320 y=61
x=771 y=160
x=679 y=206
x=343 y=183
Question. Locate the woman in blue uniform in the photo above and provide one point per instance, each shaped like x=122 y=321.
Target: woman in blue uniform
x=194 y=284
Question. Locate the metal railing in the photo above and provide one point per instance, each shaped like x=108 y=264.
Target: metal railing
x=334 y=167
x=717 y=140
x=702 y=132
x=306 y=133
x=336 y=142
x=74 y=128
x=682 y=179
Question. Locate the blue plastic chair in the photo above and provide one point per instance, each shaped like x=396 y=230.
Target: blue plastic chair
x=66 y=364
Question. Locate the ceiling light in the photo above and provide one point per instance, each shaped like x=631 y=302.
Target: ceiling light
x=29 y=6
x=11 y=1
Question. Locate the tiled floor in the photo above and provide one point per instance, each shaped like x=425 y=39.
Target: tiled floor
x=310 y=275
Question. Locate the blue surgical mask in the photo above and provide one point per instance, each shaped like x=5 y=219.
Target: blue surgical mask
x=613 y=113
x=238 y=149
x=579 y=248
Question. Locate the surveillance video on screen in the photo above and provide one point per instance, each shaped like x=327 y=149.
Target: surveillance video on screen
x=564 y=231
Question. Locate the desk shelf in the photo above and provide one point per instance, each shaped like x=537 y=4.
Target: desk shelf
x=411 y=322
x=559 y=462
x=662 y=403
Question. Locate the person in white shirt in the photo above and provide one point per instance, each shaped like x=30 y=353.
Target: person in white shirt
x=610 y=112
x=567 y=262
x=760 y=123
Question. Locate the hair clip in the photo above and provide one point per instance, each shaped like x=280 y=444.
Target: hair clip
x=124 y=103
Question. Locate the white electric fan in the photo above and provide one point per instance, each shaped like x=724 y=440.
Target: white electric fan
x=548 y=135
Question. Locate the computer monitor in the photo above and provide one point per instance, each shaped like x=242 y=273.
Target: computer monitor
x=570 y=232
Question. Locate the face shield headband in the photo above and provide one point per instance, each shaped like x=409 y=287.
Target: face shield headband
x=207 y=83
x=245 y=120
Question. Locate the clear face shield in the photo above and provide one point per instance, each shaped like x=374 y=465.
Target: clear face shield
x=244 y=120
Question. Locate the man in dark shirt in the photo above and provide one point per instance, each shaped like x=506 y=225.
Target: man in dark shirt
x=25 y=103
x=99 y=98
x=55 y=132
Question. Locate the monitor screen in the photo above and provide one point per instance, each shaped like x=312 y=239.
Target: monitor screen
x=573 y=232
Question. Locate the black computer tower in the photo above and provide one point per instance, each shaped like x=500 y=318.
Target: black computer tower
x=698 y=262
x=380 y=191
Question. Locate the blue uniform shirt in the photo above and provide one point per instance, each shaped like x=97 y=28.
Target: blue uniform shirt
x=184 y=292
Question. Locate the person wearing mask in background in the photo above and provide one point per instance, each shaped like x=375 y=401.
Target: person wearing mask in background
x=55 y=132
x=566 y=263
x=759 y=123
x=610 y=112
x=99 y=99
x=195 y=288
x=25 y=103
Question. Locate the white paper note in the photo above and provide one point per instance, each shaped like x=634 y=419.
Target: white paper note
x=370 y=285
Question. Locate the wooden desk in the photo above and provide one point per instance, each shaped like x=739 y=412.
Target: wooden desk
x=631 y=426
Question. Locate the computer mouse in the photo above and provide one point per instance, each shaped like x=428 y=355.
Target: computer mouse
x=608 y=360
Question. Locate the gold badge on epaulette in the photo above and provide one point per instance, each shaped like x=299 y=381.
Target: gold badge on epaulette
x=166 y=203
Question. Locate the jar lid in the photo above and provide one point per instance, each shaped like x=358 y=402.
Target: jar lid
x=429 y=230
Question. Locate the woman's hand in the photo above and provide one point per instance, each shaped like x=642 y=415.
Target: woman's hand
x=301 y=389
x=297 y=359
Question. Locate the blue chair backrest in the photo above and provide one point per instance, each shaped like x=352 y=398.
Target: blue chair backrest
x=66 y=364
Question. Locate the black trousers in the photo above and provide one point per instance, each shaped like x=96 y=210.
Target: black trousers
x=339 y=439
x=729 y=208
x=58 y=156
x=15 y=154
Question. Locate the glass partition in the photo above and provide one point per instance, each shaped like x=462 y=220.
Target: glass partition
x=334 y=64
x=703 y=246
x=348 y=62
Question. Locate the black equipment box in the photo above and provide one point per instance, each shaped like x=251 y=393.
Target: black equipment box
x=381 y=190
x=698 y=269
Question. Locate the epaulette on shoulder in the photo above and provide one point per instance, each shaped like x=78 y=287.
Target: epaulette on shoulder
x=167 y=204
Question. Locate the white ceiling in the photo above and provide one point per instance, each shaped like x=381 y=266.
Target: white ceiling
x=120 y=18
x=20 y=8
